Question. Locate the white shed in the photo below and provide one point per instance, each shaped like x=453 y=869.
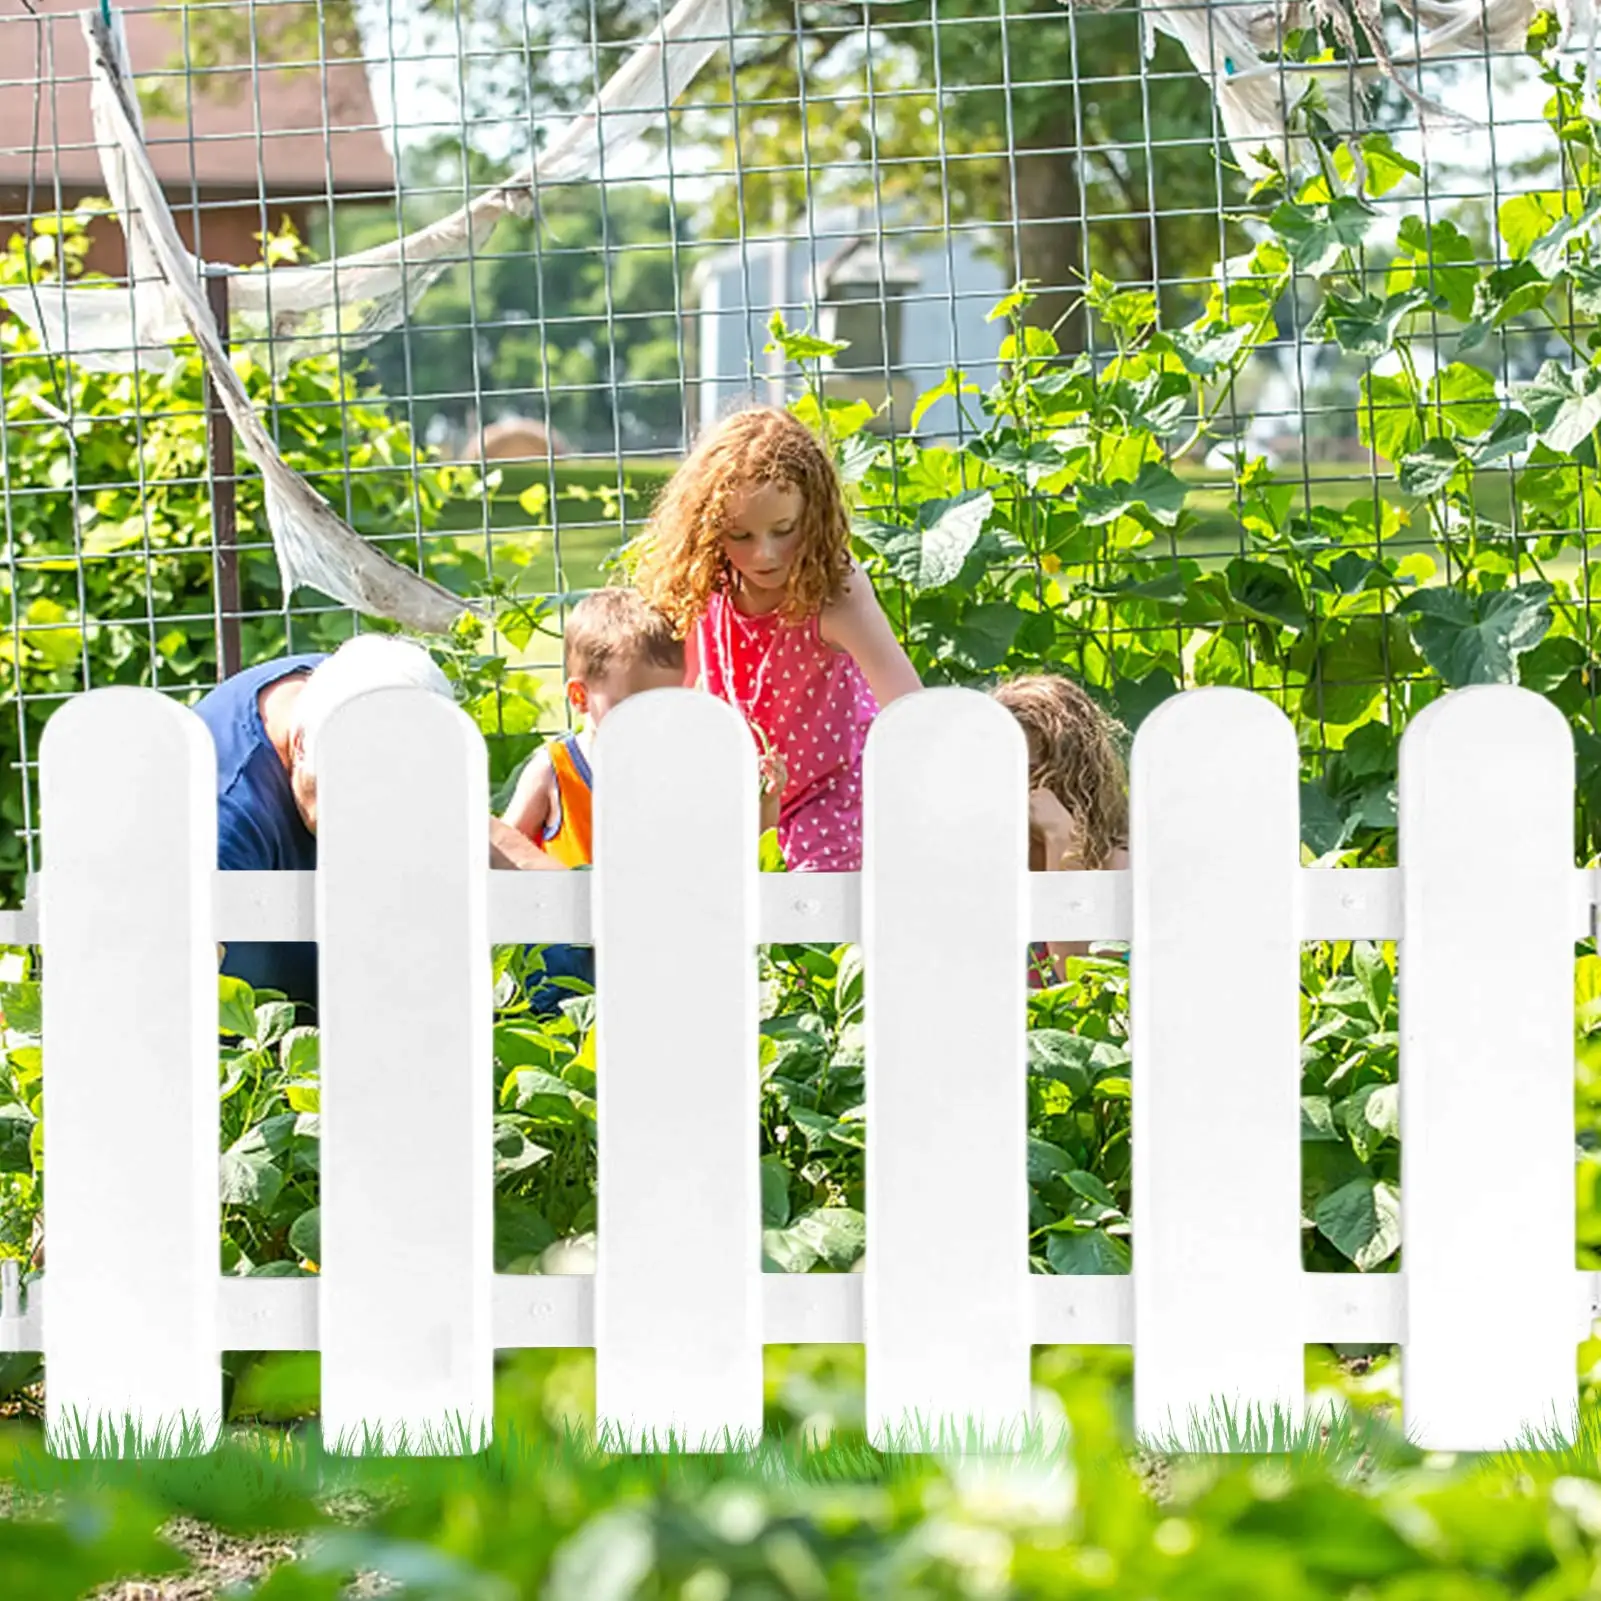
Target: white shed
x=912 y=302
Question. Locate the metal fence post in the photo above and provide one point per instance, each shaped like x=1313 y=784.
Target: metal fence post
x=224 y=509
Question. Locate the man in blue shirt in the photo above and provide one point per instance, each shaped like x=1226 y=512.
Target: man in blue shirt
x=264 y=722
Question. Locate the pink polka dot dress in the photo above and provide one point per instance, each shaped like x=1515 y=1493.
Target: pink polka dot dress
x=814 y=706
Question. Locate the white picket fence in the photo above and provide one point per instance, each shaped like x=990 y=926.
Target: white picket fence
x=133 y=1310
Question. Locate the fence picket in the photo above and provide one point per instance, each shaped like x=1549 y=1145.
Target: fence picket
x=1214 y=1029
x=1487 y=1120
x=678 y=1253
x=944 y=894
x=405 y=1007
x=130 y=1051
x=404 y=1311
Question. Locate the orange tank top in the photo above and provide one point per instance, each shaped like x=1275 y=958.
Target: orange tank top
x=568 y=835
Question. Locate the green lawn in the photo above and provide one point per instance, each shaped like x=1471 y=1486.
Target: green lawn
x=573 y=532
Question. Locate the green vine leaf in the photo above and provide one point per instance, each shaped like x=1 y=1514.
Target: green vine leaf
x=1387 y=419
x=1366 y=326
x=1440 y=258
x=1314 y=236
x=1545 y=255
x=1464 y=399
x=1477 y=639
x=1427 y=471
x=1502 y=295
x=1564 y=404
x=1157 y=489
x=1512 y=433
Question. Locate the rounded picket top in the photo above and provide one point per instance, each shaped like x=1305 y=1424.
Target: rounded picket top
x=658 y=726
x=941 y=733
x=1491 y=740
x=397 y=734
x=1214 y=728
x=123 y=730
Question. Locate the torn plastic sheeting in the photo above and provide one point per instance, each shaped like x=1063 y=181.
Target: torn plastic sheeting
x=314 y=545
x=1232 y=42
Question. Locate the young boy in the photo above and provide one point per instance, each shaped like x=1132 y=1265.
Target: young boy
x=615 y=646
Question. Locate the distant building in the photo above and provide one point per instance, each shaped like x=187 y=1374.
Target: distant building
x=251 y=146
x=911 y=303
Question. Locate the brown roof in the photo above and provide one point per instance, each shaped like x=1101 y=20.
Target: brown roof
x=294 y=133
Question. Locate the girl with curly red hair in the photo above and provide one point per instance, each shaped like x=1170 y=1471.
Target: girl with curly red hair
x=747 y=554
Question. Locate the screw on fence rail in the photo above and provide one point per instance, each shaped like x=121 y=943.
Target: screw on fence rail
x=224 y=520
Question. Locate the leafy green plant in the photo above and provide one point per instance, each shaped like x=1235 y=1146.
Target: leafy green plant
x=1350 y=1108
x=108 y=526
x=1058 y=532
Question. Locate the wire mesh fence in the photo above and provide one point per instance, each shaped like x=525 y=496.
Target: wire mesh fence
x=881 y=174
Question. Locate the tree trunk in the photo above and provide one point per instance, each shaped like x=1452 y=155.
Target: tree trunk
x=1049 y=237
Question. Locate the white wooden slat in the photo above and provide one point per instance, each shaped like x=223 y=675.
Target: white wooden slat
x=540 y=1310
x=129 y=833
x=812 y=1308
x=265 y=906
x=810 y=909
x=1334 y=904
x=944 y=907
x=1486 y=1071
x=1080 y=906
x=24 y=1333
x=1082 y=1309
x=531 y=1312
x=539 y=908
x=269 y=1314
x=677 y=1298
x=1342 y=903
x=1215 y=1037
x=20 y=925
x=405 y=1006
x=1353 y=1308
x=1366 y=903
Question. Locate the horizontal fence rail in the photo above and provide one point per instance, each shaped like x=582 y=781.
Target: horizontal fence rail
x=1331 y=903
x=558 y=1311
x=406 y=1308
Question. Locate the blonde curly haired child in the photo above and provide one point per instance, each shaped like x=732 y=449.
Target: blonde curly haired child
x=747 y=554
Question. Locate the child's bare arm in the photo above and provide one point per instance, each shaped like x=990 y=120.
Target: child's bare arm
x=856 y=623
x=509 y=849
x=774 y=776
x=530 y=806
x=691 y=661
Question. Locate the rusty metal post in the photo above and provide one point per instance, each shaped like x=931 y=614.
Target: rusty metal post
x=224 y=518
